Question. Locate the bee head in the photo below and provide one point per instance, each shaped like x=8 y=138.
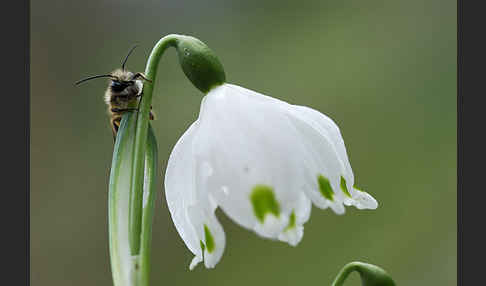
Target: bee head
x=119 y=86
x=120 y=78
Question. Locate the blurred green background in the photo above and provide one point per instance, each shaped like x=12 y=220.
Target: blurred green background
x=385 y=71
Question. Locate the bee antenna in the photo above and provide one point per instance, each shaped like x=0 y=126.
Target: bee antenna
x=93 y=77
x=126 y=58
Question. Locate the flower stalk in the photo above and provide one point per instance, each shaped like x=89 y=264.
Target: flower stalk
x=371 y=275
x=204 y=70
x=136 y=191
x=132 y=178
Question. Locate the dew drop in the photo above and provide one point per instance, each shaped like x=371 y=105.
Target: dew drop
x=225 y=190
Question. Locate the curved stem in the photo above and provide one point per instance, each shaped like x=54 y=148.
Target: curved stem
x=344 y=273
x=136 y=188
x=205 y=71
x=371 y=275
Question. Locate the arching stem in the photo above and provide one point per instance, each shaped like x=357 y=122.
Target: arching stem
x=136 y=189
x=204 y=70
x=344 y=273
x=371 y=275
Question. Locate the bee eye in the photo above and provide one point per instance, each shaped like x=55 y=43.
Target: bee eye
x=117 y=86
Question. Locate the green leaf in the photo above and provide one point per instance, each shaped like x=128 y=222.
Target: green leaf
x=149 y=188
x=118 y=202
x=129 y=269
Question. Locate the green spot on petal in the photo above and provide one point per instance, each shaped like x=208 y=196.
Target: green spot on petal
x=264 y=202
x=344 y=187
x=209 y=239
x=356 y=188
x=325 y=187
x=292 y=223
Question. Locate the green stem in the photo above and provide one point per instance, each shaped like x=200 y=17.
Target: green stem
x=148 y=207
x=205 y=71
x=371 y=275
x=344 y=273
x=136 y=188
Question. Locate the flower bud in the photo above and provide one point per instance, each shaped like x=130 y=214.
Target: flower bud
x=199 y=63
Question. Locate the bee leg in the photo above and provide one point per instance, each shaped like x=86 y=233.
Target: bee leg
x=140 y=100
x=115 y=124
x=151 y=115
x=140 y=75
x=123 y=109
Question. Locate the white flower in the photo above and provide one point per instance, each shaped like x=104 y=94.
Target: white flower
x=262 y=161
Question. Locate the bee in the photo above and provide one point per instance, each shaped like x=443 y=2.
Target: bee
x=123 y=93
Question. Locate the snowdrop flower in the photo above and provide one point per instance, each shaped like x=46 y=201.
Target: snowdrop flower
x=263 y=161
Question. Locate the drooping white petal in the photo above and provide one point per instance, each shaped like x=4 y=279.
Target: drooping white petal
x=294 y=231
x=326 y=146
x=248 y=141
x=179 y=188
x=190 y=209
x=363 y=200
